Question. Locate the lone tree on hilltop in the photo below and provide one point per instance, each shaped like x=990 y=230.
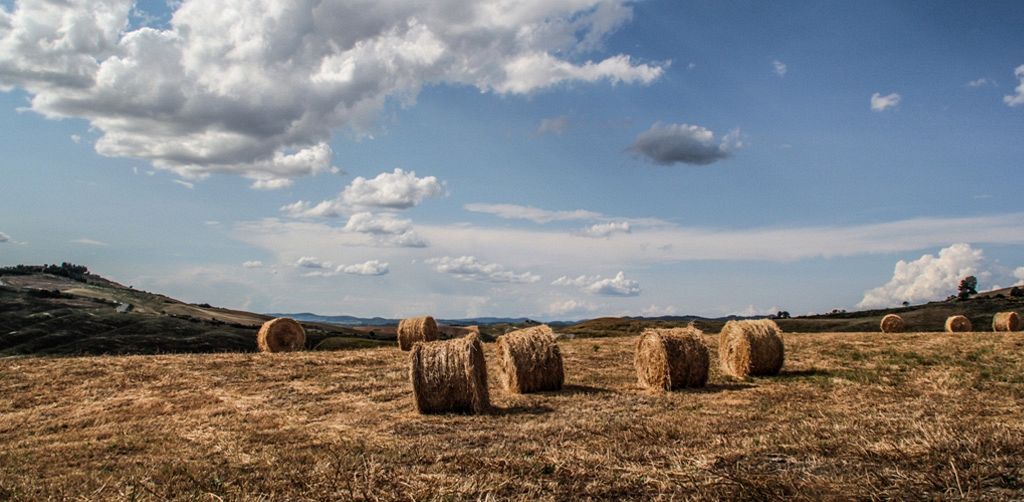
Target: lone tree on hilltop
x=968 y=286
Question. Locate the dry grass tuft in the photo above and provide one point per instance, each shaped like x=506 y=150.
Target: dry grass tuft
x=1006 y=321
x=529 y=360
x=892 y=323
x=449 y=376
x=416 y=329
x=957 y=324
x=281 y=335
x=751 y=348
x=671 y=358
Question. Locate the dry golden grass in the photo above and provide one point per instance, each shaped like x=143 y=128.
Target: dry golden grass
x=851 y=416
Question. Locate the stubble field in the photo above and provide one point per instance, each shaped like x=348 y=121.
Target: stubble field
x=853 y=415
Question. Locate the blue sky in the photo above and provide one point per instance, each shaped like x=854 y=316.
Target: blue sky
x=594 y=157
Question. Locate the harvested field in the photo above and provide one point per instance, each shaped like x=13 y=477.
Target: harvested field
x=851 y=416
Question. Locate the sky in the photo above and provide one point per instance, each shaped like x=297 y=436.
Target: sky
x=554 y=160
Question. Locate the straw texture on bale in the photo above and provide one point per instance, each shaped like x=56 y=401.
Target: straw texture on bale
x=751 y=348
x=281 y=335
x=1006 y=321
x=957 y=323
x=416 y=329
x=892 y=323
x=670 y=359
x=530 y=360
x=449 y=376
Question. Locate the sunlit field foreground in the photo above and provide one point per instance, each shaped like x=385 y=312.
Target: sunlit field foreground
x=851 y=416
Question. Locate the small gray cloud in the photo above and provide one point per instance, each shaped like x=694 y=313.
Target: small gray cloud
x=881 y=103
x=469 y=268
x=4 y=237
x=779 y=68
x=667 y=144
x=597 y=285
x=1018 y=97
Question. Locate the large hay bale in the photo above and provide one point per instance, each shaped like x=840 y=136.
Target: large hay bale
x=671 y=358
x=892 y=323
x=530 y=361
x=281 y=335
x=449 y=376
x=416 y=329
x=1006 y=321
x=957 y=324
x=751 y=348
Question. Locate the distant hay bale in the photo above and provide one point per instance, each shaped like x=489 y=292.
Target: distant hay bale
x=672 y=358
x=892 y=323
x=1006 y=321
x=751 y=348
x=281 y=335
x=957 y=324
x=530 y=360
x=449 y=376
x=416 y=329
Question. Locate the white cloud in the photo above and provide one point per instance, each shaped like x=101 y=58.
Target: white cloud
x=89 y=242
x=571 y=307
x=4 y=237
x=981 y=82
x=257 y=88
x=370 y=267
x=76 y=139
x=752 y=311
x=1018 y=273
x=596 y=285
x=553 y=125
x=779 y=68
x=1018 y=97
x=536 y=215
x=469 y=268
x=668 y=144
x=186 y=184
x=929 y=277
x=253 y=264
x=656 y=311
x=313 y=263
x=606 y=229
x=396 y=190
x=386 y=228
x=271 y=184
x=881 y=103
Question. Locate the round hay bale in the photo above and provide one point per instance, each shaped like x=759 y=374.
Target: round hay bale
x=1006 y=321
x=751 y=348
x=416 y=329
x=281 y=335
x=892 y=323
x=672 y=358
x=530 y=361
x=957 y=324
x=449 y=376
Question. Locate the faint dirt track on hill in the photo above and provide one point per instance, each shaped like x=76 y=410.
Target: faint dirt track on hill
x=917 y=415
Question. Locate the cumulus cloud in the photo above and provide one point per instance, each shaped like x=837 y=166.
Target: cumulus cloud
x=668 y=144
x=656 y=311
x=928 y=278
x=606 y=229
x=469 y=268
x=312 y=262
x=1019 y=275
x=597 y=285
x=981 y=82
x=881 y=103
x=536 y=215
x=570 y=307
x=553 y=125
x=4 y=237
x=370 y=267
x=253 y=264
x=1018 y=97
x=386 y=228
x=257 y=88
x=396 y=190
x=779 y=68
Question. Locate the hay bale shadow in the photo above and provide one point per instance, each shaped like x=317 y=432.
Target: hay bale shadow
x=807 y=373
x=533 y=409
x=582 y=389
